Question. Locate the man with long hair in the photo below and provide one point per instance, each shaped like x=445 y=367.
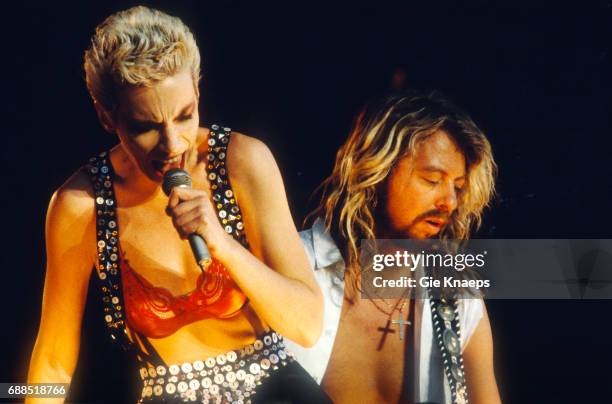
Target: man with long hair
x=414 y=167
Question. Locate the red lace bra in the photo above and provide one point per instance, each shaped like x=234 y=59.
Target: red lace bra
x=154 y=312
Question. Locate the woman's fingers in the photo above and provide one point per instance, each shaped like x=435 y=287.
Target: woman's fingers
x=179 y=196
x=191 y=211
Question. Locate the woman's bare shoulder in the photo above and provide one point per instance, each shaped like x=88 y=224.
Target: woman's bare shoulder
x=74 y=200
x=248 y=156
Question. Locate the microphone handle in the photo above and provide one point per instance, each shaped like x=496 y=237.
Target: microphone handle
x=200 y=250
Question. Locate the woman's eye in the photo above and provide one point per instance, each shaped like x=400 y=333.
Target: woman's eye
x=185 y=118
x=432 y=182
x=137 y=128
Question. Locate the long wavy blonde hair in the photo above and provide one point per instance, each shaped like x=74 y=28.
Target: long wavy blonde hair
x=386 y=131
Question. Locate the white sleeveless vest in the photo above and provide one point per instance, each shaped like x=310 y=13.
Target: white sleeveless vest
x=430 y=382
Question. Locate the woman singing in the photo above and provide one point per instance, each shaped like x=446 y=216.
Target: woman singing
x=198 y=335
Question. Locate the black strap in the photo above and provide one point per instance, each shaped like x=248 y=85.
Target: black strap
x=446 y=329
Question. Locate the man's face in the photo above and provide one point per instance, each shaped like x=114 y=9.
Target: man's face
x=423 y=190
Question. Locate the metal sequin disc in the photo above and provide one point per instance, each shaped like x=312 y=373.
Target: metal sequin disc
x=446 y=312
x=451 y=341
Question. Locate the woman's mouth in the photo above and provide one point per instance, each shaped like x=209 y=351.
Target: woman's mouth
x=161 y=166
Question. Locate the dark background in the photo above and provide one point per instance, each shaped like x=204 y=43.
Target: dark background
x=535 y=77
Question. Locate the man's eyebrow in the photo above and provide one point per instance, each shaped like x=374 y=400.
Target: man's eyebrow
x=436 y=169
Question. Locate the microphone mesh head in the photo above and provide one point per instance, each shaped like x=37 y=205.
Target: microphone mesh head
x=175 y=177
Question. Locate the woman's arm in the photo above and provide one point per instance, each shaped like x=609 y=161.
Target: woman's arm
x=275 y=275
x=70 y=241
x=478 y=362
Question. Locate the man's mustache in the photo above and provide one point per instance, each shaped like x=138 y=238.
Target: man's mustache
x=431 y=214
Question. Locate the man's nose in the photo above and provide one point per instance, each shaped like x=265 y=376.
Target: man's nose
x=447 y=200
x=171 y=140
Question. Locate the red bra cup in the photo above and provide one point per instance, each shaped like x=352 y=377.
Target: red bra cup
x=154 y=312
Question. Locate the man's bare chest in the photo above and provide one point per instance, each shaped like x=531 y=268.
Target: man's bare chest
x=368 y=361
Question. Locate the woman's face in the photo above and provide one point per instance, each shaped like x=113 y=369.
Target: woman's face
x=158 y=125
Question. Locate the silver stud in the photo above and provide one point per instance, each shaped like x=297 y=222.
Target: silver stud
x=210 y=362
x=231 y=356
x=108 y=319
x=214 y=127
x=265 y=363
x=222 y=214
x=198 y=365
x=274 y=359
x=212 y=176
x=174 y=370
x=206 y=382
x=267 y=340
x=115 y=300
x=229 y=193
x=451 y=341
x=240 y=374
x=112 y=224
x=170 y=388
x=158 y=390
x=182 y=387
x=221 y=156
x=161 y=370
x=104 y=170
x=221 y=359
x=100 y=200
x=258 y=344
x=194 y=384
x=219 y=378
x=228 y=229
x=186 y=367
x=94 y=170
x=230 y=377
x=152 y=372
x=254 y=368
x=457 y=373
x=211 y=142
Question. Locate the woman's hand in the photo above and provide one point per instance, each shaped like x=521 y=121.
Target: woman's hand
x=193 y=212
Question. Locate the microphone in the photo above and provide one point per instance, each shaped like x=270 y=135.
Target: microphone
x=177 y=177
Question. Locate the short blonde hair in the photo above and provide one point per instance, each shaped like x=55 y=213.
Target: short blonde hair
x=138 y=47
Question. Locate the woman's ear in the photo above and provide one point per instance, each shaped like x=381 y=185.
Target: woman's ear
x=105 y=118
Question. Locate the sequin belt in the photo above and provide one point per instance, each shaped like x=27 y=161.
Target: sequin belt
x=230 y=377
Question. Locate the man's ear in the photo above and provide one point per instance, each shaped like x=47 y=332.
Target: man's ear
x=105 y=118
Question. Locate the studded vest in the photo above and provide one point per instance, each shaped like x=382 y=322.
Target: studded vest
x=149 y=310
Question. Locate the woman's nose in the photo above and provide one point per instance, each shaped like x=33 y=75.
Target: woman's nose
x=171 y=141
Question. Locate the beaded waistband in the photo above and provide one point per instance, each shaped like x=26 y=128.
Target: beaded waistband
x=229 y=377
